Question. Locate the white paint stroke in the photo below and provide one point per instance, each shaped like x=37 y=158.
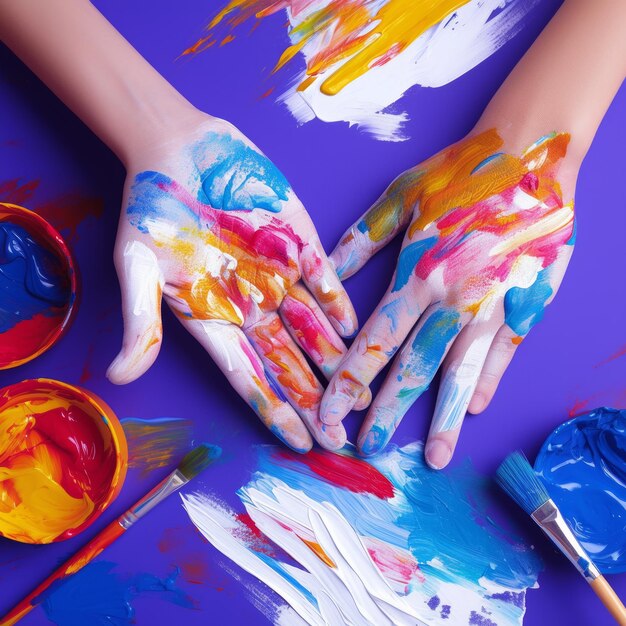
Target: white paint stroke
x=442 y=54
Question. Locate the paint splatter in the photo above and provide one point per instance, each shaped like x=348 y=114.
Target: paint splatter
x=620 y=352
x=362 y=558
x=156 y=442
x=99 y=596
x=362 y=55
x=65 y=212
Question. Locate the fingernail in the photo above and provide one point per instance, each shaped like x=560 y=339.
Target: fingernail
x=332 y=412
x=346 y=327
x=364 y=400
x=372 y=442
x=477 y=404
x=437 y=453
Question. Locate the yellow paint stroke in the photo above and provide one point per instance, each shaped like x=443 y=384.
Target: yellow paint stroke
x=319 y=552
x=356 y=40
x=452 y=180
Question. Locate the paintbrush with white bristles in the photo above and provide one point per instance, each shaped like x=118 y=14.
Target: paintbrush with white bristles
x=516 y=476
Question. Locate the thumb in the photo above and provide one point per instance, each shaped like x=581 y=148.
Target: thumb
x=370 y=233
x=141 y=284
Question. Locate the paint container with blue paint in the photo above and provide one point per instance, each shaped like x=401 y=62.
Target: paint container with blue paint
x=38 y=285
x=583 y=465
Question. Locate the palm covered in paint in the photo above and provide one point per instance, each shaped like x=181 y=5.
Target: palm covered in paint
x=211 y=225
x=488 y=241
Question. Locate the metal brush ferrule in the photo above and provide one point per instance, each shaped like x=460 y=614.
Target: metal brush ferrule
x=165 y=488
x=549 y=518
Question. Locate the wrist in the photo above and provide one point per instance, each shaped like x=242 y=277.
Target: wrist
x=153 y=120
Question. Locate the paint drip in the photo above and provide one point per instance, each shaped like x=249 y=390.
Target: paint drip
x=583 y=464
x=361 y=56
x=387 y=542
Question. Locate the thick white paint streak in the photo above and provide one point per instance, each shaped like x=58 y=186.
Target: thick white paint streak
x=142 y=271
x=438 y=57
x=354 y=591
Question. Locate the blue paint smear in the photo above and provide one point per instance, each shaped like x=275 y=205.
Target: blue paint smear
x=147 y=203
x=497 y=155
x=392 y=310
x=429 y=346
x=583 y=464
x=524 y=306
x=240 y=178
x=572 y=240
x=33 y=280
x=409 y=258
x=97 y=596
x=435 y=515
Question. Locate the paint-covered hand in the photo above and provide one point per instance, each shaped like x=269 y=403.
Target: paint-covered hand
x=489 y=238
x=212 y=226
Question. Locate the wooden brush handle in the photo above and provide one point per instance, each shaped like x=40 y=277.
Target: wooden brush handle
x=610 y=599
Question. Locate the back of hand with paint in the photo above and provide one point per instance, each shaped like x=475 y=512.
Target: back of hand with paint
x=488 y=238
x=212 y=226
x=489 y=230
x=208 y=223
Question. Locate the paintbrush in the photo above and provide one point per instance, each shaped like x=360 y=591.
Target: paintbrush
x=191 y=465
x=516 y=476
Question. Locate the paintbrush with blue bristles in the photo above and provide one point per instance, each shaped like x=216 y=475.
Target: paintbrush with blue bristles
x=517 y=477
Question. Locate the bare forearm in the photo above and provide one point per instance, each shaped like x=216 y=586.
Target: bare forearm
x=93 y=69
x=567 y=79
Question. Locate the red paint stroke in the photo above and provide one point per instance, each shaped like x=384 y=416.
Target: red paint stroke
x=612 y=357
x=579 y=407
x=87 y=372
x=608 y=397
x=195 y=570
x=343 y=471
x=399 y=567
x=248 y=532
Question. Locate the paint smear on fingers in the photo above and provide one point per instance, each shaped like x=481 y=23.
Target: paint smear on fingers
x=409 y=547
x=361 y=56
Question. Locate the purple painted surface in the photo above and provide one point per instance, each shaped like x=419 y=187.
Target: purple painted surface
x=336 y=171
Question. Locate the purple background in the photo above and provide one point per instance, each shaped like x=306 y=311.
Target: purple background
x=337 y=172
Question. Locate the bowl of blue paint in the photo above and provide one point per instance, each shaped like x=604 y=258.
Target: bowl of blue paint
x=583 y=464
x=38 y=285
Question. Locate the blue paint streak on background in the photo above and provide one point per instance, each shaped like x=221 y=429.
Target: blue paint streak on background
x=97 y=596
x=33 y=279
